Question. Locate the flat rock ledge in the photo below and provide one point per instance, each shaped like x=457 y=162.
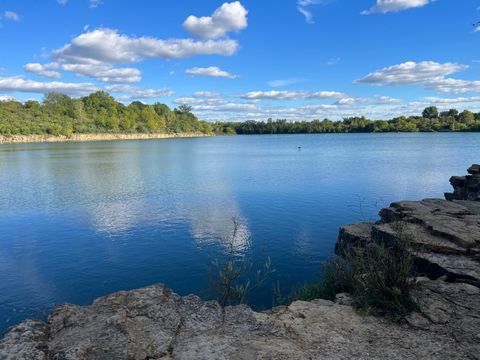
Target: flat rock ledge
x=155 y=323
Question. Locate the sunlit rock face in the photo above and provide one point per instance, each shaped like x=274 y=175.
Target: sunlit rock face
x=155 y=323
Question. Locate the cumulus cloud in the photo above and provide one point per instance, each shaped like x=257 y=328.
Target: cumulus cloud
x=96 y=70
x=104 y=72
x=292 y=95
x=431 y=75
x=326 y=95
x=229 y=107
x=274 y=95
x=206 y=94
x=10 y=15
x=211 y=71
x=47 y=70
x=336 y=111
x=385 y=6
x=107 y=45
x=228 y=17
x=197 y=100
x=451 y=101
x=386 y=100
x=96 y=53
x=20 y=84
x=131 y=93
x=346 y=101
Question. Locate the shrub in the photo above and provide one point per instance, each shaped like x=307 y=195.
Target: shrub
x=378 y=277
x=228 y=280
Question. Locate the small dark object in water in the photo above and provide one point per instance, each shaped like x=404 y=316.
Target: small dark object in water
x=299 y=148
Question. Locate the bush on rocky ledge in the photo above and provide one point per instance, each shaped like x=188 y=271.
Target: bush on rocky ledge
x=379 y=278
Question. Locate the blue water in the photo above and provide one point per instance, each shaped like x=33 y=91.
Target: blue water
x=81 y=220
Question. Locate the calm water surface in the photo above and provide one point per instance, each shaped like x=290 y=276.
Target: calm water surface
x=81 y=220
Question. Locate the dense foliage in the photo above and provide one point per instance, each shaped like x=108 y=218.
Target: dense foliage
x=59 y=114
x=431 y=120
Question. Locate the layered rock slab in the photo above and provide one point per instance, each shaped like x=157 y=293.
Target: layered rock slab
x=155 y=323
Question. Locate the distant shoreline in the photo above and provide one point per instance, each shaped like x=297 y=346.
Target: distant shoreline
x=27 y=139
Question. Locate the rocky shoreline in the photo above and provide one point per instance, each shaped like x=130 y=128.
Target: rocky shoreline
x=25 y=139
x=155 y=323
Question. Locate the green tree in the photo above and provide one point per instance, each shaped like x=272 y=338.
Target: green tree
x=430 y=112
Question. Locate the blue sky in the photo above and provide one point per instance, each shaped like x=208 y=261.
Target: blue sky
x=294 y=59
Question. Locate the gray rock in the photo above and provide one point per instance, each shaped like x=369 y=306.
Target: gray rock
x=466 y=187
x=154 y=323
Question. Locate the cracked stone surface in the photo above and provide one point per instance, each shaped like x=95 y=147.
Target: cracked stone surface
x=155 y=323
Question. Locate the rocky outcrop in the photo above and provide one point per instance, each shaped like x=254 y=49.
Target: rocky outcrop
x=21 y=139
x=466 y=187
x=444 y=240
x=155 y=323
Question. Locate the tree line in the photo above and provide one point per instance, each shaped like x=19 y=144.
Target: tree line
x=430 y=120
x=59 y=114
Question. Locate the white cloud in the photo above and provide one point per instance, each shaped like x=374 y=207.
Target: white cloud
x=95 y=54
x=386 y=100
x=307 y=13
x=370 y=109
x=385 y=6
x=104 y=72
x=459 y=100
x=196 y=100
x=346 y=101
x=303 y=8
x=431 y=75
x=211 y=71
x=292 y=95
x=107 y=45
x=20 y=84
x=96 y=70
x=189 y=101
x=10 y=15
x=131 y=93
x=477 y=28
x=326 y=95
x=228 y=17
x=206 y=94
x=230 y=107
x=274 y=95
x=43 y=70
x=62 y=2
x=6 y=98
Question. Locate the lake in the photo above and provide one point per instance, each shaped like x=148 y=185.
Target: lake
x=81 y=220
